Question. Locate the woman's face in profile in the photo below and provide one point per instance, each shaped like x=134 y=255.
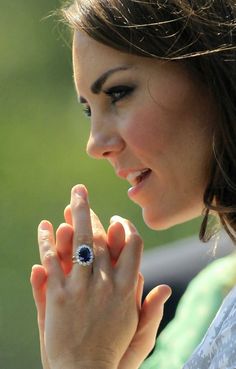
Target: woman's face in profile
x=153 y=121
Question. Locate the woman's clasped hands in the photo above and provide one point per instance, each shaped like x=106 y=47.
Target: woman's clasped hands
x=92 y=317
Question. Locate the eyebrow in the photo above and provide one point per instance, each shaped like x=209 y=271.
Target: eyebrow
x=96 y=87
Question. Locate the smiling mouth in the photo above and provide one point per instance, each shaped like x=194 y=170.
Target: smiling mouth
x=137 y=177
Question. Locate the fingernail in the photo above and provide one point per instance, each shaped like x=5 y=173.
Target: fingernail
x=169 y=293
x=80 y=191
x=116 y=218
x=44 y=225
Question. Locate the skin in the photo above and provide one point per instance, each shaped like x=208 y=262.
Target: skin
x=176 y=140
x=164 y=123
x=72 y=343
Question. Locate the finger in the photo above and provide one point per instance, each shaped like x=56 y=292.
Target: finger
x=97 y=227
x=139 y=293
x=103 y=263
x=150 y=317
x=128 y=226
x=81 y=216
x=45 y=239
x=99 y=232
x=55 y=274
x=99 y=236
x=115 y=240
x=68 y=215
x=82 y=226
x=38 y=281
x=64 y=240
x=48 y=254
x=130 y=258
x=145 y=337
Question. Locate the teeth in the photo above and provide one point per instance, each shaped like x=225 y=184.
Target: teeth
x=133 y=178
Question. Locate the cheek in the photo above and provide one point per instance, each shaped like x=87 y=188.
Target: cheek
x=142 y=131
x=154 y=134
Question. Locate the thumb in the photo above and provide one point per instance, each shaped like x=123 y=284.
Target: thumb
x=150 y=317
x=151 y=314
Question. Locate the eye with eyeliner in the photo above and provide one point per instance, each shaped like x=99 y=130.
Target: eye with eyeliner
x=85 y=106
x=87 y=111
x=118 y=93
x=115 y=93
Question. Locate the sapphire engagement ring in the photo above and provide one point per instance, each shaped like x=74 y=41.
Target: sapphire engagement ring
x=83 y=255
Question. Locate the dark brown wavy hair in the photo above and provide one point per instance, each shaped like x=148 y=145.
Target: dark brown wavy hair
x=200 y=33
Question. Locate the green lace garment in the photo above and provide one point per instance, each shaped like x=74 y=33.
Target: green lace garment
x=194 y=314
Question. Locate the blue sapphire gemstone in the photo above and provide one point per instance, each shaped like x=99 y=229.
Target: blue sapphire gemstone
x=85 y=254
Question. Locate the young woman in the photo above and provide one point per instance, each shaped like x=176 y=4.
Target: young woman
x=157 y=79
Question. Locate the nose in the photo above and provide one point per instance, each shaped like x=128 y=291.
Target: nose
x=102 y=145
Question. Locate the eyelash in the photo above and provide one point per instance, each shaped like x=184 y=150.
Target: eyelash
x=87 y=111
x=123 y=91
x=112 y=92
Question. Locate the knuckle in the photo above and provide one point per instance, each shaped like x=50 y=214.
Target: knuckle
x=80 y=204
x=141 y=277
x=104 y=286
x=45 y=247
x=45 y=235
x=49 y=256
x=99 y=251
x=98 y=237
x=136 y=239
x=127 y=286
x=79 y=290
x=126 y=289
x=60 y=297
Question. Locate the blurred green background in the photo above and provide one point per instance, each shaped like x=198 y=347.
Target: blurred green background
x=42 y=141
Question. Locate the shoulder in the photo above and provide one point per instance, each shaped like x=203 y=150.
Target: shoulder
x=209 y=288
x=217 y=349
x=215 y=273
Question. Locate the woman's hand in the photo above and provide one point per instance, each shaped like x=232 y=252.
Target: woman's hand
x=63 y=247
x=91 y=313
x=150 y=312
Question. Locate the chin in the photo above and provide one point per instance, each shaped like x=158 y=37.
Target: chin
x=162 y=222
x=157 y=223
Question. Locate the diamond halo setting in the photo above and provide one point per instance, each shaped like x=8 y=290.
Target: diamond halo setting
x=83 y=255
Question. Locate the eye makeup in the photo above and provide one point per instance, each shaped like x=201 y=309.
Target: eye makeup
x=119 y=92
